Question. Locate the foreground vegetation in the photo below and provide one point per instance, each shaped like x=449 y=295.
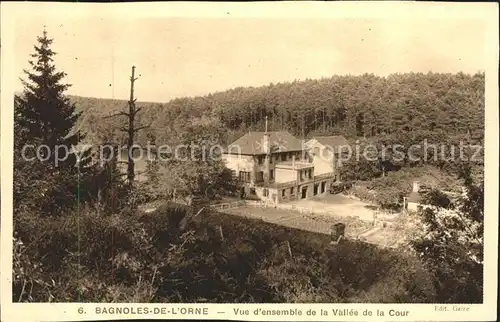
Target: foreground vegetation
x=211 y=257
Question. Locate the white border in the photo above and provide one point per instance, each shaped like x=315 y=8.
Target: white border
x=488 y=12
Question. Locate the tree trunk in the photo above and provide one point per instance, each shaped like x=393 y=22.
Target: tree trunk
x=130 y=139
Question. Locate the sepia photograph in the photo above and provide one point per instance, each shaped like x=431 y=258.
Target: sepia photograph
x=248 y=158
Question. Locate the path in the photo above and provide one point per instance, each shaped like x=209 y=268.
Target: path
x=338 y=205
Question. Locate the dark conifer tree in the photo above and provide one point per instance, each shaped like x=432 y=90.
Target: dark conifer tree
x=43 y=110
x=45 y=116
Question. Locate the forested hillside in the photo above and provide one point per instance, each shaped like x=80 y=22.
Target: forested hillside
x=353 y=106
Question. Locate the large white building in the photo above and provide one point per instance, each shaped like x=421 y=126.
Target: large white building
x=277 y=167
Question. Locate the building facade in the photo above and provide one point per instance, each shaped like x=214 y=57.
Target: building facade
x=328 y=152
x=277 y=167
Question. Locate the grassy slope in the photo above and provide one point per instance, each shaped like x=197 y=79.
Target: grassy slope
x=252 y=261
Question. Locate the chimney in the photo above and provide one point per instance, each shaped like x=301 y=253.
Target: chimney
x=416 y=186
x=266 y=145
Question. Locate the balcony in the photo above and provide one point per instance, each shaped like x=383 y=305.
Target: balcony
x=295 y=165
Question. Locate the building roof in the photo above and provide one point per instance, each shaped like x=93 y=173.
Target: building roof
x=333 y=141
x=252 y=143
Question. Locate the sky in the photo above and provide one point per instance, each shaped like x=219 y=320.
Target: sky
x=192 y=55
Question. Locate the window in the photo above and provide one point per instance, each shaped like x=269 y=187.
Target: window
x=260 y=176
x=310 y=173
x=252 y=191
x=271 y=174
x=259 y=160
x=283 y=192
x=244 y=176
x=291 y=191
x=266 y=193
x=283 y=157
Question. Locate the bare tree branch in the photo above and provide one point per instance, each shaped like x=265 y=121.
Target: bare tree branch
x=117 y=114
x=141 y=128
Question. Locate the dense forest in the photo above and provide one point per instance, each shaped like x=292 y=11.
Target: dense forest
x=353 y=106
x=79 y=234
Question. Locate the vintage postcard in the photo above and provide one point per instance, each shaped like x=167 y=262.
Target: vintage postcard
x=267 y=161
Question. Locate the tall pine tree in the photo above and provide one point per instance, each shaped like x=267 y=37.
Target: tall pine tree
x=44 y=116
